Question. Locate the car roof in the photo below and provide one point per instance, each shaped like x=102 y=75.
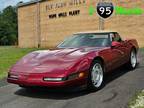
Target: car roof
x=94 y=32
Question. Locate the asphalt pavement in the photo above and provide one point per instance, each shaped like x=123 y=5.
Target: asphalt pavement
x=121 y=86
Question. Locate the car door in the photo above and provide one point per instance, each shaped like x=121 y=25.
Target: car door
x=117 y=56
x=124 y=49
x=118 y=52
x=125 y=55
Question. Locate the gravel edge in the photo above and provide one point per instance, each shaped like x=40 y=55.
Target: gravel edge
x=3 y=82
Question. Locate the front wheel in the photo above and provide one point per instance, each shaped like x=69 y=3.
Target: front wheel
x=96 y=75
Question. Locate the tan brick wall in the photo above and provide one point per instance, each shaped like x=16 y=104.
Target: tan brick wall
x=27 y=20
x=54 y=31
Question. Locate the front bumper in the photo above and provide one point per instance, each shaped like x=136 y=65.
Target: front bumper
x=37 y=80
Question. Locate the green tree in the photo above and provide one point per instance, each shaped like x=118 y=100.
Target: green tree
x=8 y=26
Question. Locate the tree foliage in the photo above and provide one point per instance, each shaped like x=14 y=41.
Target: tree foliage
x=8 y=26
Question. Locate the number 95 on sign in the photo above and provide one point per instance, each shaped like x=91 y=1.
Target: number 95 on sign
x=105 y=9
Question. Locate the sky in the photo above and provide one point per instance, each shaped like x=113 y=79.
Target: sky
x=5 y=3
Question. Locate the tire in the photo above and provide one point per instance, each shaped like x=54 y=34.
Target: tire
x=96 y=76
x=132 y=60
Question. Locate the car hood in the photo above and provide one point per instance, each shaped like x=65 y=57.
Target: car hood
x=51 y=61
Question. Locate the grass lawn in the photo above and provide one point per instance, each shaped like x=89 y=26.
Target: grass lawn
x=137 y=101
x=9 y=56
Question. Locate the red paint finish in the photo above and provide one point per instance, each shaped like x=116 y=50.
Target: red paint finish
x=61 y=63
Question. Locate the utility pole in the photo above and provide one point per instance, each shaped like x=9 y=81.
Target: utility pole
x=101 y=24
x=38 y=25
x=101 y=21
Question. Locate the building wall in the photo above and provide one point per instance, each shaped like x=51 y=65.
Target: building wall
x=54 y=30
x=27 y=26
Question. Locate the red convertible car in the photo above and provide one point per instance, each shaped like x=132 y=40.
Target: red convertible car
x=79 y=61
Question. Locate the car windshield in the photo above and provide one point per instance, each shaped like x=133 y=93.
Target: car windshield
x=86 y=40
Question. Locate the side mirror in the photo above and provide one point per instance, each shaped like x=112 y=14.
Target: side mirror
x=115 y=44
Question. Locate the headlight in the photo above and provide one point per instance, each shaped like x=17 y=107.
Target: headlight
x=12 y=76
x=53 y=79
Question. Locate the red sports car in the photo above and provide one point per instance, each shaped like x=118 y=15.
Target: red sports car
x=79 y=61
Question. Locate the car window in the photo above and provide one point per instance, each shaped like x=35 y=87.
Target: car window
x=116 y=37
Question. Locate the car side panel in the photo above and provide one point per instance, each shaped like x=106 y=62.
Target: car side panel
x=107 y=56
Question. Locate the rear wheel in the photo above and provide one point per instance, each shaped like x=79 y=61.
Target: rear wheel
x=96 y=75
x=132 y=60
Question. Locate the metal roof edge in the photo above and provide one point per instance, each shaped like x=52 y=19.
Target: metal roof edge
x=28 y=3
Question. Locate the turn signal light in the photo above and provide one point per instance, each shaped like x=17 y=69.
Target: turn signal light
x=81 y=74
